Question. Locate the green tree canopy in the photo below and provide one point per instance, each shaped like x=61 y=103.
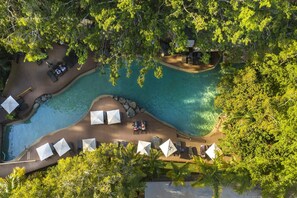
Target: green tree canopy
x=120 y=31
x=260 y=102
x=110 y=171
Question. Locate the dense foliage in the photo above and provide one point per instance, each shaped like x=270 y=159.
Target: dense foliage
x=117 y=171
x=119 y=31
x=113 y=171
x=259 y=100
x=110 y=171
x=5 y=65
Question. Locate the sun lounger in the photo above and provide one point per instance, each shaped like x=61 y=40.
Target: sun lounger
x=180 y=146
x=60 y=69
x=156 y=142
x=56 y=71
x=139 y=126
x=203 y=149
x=143 y=126
x=79 y=146
x=136 y=127
x=195 y=152
x=52 y=76
x=190 y=152
x=177 y=152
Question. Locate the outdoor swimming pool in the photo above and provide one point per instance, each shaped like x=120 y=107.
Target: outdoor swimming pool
x=181 y=99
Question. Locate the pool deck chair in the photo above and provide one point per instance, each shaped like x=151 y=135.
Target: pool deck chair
x=52 y=76
x=97 y=117
x=113 y=116
x=203 y=149
x=62 y=147
x=156 y=141
x=44 y=151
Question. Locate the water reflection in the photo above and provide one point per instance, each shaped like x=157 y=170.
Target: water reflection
x=180 y=99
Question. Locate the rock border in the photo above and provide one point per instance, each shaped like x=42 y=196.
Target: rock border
x=41 y=99
x=130 y=106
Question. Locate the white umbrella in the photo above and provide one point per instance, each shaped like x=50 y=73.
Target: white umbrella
x=10 y=104
x=44 y=151
x=113 y=116
x=89 y=144
x=61 y=147
x=168 y=148
x=213 y=150
x=144 y=147
x=97 y=117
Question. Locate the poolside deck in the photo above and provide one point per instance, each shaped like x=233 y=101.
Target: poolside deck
x=106 y=133
x=176 y=62
x=24 y=75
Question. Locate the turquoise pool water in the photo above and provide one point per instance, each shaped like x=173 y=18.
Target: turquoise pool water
x=180 y=99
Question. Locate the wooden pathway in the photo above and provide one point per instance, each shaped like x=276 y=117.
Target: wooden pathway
x=106 y=133
x=26 y=75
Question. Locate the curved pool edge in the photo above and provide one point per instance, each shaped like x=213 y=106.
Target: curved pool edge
x=33 y=110
x=74 y=81
x=164 y=132
x=183 y=134
x=186 y=70
x=53 y=132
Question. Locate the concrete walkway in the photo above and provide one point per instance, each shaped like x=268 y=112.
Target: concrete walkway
x=176 y=62
x=164 y=190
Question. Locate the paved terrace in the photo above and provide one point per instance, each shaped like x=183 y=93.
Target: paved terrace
x=176 y=62
x=26 y=74
x=106 y=133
